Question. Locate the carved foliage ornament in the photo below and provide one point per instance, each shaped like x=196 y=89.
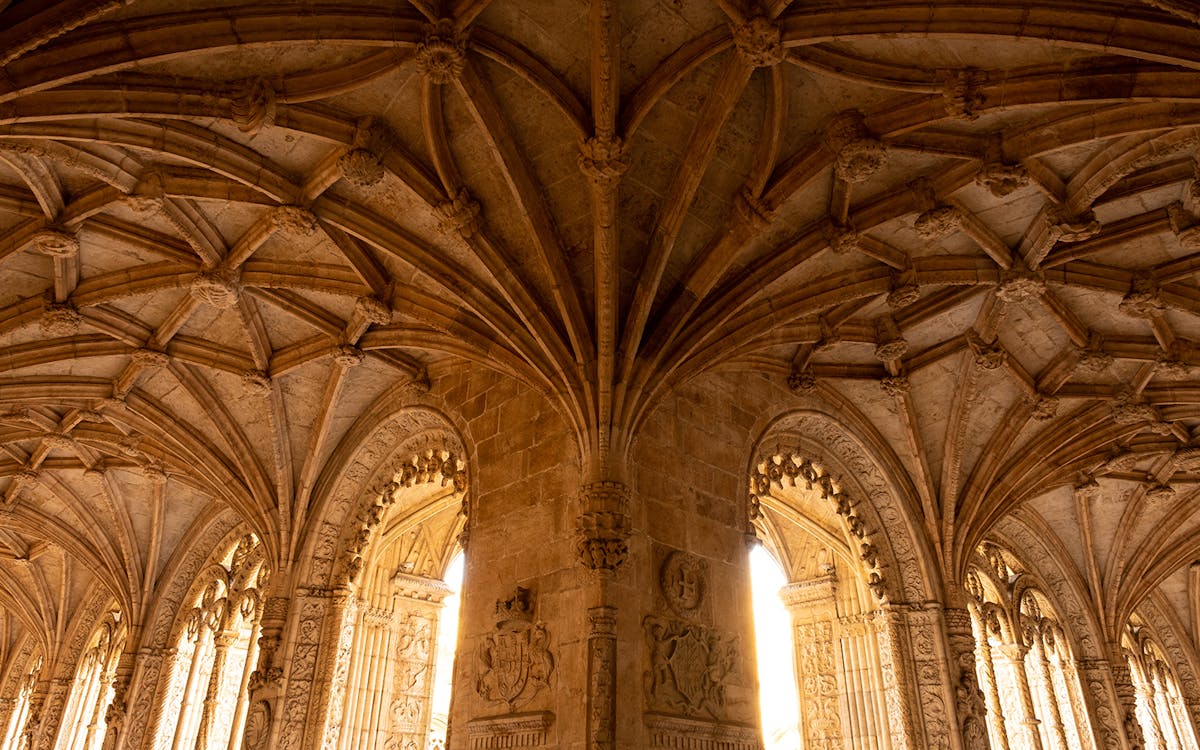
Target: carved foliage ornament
x=514 y=662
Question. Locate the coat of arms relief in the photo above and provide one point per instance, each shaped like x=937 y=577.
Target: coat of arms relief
x=690 y=662
x=514 y=659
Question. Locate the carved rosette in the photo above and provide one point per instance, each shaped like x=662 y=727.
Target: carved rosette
x=802 y=381
x=256 y=382
x=361 y=167
x=442 y=55
x=602 y=529
x=844 y=239
x=1016 y=286
x=218 y=289
x=294 y=220
x=937 y=222
x=759 y=42
x=603 y=159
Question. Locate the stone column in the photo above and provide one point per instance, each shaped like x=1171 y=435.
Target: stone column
x=893 y=661
x=1043 y=659
x=602 y=544
x=264 y=712
x=1095 y=680
x=813 y=609
x=995 y=716
x=1126 y=699
x=222 y=641
x=1016 y=653
x=968 y=698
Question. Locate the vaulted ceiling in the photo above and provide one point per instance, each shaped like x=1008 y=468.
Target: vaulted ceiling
x=225 y=230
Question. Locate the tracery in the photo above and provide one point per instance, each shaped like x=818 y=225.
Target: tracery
x=84 y=717
x=1024 y=659
x=1160 y=709
x=204 y=707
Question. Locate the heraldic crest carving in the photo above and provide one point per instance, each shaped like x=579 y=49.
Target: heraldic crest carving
x=690 y=662
x=514 y=659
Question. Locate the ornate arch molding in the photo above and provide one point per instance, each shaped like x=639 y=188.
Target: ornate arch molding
x=1058 y=581
x=1166 y=630
x=870 y=507
x=17 y=668
x=414 y=446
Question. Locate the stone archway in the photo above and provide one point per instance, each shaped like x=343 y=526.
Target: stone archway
x=402 y=478
x=810 y=474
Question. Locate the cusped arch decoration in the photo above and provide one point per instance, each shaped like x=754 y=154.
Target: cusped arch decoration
x=817 y=450
x=416 y=446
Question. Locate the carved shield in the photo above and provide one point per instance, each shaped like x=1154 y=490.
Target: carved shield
x=510 y=662
x=688 y=665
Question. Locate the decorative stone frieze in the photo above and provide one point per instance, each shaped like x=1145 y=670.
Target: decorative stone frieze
x=681 y=733
x=513 y=731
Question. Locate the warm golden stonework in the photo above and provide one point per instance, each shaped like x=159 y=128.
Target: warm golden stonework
x=301 y=300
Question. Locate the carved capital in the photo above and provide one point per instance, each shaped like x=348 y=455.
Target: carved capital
x=602 y=530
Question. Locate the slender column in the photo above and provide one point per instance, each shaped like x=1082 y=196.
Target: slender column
x=1056 y=720
x=1146 y=693
x=103 y=685
x=995 y=714
x=189 y=689
x=1015 y=653
x=238 y=725
x=601 y=542
x=221 y=642
x=1126 y=699
x=266 y=680
x=969 y=702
